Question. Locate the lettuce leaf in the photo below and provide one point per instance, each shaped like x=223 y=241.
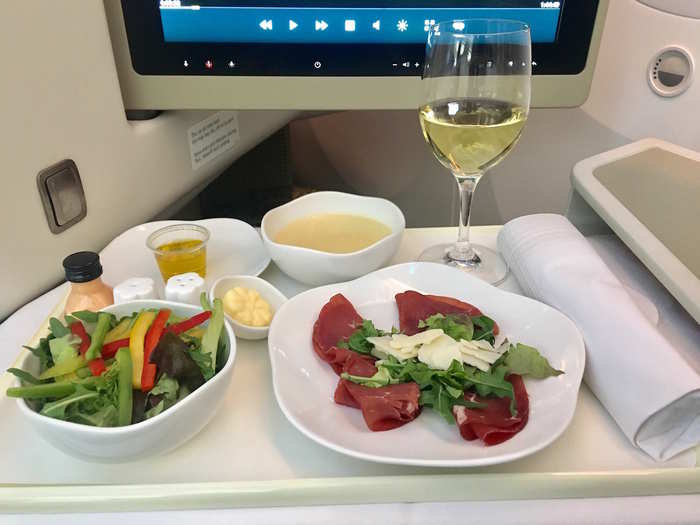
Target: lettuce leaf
x=203 y=362
x=172 y=357
x=527 y=361
x=162 y=396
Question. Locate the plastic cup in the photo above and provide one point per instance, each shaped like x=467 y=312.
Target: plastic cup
x=180 y=248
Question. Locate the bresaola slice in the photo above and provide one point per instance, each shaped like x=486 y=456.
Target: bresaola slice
x=415 y=307
x=344 y=360
x=336 y=321
x=494 y=423
x=382 y=408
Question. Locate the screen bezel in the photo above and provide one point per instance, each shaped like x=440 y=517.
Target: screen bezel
x=151 y=55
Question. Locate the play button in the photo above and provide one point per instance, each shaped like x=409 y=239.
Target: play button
x=293 y=25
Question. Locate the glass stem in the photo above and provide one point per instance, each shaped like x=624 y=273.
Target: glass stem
x=462 y=250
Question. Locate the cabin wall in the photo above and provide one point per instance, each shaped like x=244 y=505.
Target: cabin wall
x=60 y=98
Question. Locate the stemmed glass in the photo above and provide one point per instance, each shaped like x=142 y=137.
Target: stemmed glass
x=476 y=101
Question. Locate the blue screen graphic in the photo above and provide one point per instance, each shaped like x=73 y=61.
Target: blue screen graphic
x=334 y=25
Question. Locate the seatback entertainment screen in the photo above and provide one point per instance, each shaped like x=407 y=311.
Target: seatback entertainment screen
x=332 y=37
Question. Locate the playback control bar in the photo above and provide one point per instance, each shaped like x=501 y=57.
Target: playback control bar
x=277 y=25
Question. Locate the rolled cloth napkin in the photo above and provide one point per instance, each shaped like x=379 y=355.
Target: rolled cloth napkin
x=646 y=385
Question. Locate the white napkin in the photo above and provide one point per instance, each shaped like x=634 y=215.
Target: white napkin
x=642 y=380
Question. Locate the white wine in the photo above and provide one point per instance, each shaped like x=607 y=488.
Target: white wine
x=470 y=135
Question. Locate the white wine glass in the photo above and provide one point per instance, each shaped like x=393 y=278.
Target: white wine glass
x=476 y=101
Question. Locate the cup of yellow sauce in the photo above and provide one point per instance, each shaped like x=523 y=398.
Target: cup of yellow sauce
x=180 y=248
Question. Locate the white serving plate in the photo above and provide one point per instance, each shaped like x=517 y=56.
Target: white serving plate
x=304 y=385
x=234 y=248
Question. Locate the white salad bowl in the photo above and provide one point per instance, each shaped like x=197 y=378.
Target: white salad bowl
x=272 y=295
x=156 y=435
x=315 y=267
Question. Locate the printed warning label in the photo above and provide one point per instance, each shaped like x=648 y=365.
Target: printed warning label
x=212 y=137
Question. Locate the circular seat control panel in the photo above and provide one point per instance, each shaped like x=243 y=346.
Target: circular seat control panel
x=671 y=71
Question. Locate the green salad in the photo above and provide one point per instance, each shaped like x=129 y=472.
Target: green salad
x=98 y=370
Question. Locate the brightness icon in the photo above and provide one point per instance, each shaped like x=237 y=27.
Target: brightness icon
x=402 y=25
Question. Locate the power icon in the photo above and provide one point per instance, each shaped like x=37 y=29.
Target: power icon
x=318 y=65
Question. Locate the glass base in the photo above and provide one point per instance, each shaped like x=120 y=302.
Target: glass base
x=487 y=265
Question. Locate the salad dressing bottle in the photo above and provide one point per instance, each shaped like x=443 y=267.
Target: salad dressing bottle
x=88 y=291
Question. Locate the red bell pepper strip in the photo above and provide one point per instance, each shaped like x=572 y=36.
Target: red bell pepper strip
x=96 y=366
x=78 y=330
x=148 y=375
x=110 y=349
x=190 y=323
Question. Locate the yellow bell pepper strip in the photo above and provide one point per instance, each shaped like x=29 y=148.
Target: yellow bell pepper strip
x=121 y=331
x=98 y=336
x=124 y=391
x=67 y=366
x=136 y=343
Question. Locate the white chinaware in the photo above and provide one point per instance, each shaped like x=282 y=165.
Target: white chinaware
x=304 y=385
x=272 y=295
x=315 y=267
x=157 y=435
x=234 y=248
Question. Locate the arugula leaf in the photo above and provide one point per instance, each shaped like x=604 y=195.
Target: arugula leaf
x=457 y=326
x=442 y=399
x=491 y=383
x=57 y=328
x=25 y=377
x=103 y=417
x=440 y=389
x=358 y=339
x=43 y=353
x=483 y=328
x=57 y=409
x=526 y=360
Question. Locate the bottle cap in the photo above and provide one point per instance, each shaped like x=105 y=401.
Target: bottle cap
x=82 y=267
